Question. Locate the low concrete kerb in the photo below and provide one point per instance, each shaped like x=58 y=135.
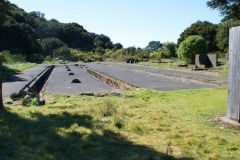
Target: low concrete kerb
x=227 y=120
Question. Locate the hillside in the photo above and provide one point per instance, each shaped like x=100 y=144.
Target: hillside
x=32 y=35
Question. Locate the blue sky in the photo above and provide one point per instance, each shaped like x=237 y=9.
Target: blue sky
x=130 y=22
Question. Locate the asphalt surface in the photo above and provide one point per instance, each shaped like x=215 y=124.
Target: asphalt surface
x=143 y=77
x=16 y=82
x=60 y=82
x=211 y=79
x=146 y=79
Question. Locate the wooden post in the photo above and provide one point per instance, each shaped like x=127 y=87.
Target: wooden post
x=1 y=99
x=233 y=111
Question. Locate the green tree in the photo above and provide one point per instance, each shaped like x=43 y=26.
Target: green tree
x=205 y=29
x=156 y=55
x=63 y=53
x=154 y=46
x=190 y=47
x=228 y=8
x=131 y=51
x=222 y=37
x=50 y=44
x=102 y=41
x=117 y=46
x=34 y=36
x=169 y=49
x=4 y=6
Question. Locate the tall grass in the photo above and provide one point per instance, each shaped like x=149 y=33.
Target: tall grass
x=14 y=63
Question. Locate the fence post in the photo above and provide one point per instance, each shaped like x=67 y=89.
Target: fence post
x=233 y=110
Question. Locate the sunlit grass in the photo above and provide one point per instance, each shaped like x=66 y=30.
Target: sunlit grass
x=11 y=69
x=224 y=72
x=151 y=125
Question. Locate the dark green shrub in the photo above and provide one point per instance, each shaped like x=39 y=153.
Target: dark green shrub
x=12 y=58
x=35 y=57
x=64 y=53
x=205 y=29
x=190 y=47
x=50 y=44
x=169 y=50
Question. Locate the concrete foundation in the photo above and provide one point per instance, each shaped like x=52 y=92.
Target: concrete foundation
x=227 y=120
x=206 y=61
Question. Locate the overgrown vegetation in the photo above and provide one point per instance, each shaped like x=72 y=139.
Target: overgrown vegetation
x=152 y=125
x=13 y=64
x=204 y=29
x=190 y=47
x=12 y=69
x=37 y=39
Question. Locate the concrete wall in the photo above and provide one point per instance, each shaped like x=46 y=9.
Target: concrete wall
x=206 y=61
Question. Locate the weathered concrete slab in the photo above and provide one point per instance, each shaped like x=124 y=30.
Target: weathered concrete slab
x=227 y=120
x=17 y=82
x=60 y=82
x=205 y=78
x=146 y=80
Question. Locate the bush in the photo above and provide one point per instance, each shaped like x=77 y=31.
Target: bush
x=108 y=109
x=50 y=44
x=64 y=53
x=35 y=57
x=156 y=55
x=169 y=50
x=12 y=58
x=190 y=47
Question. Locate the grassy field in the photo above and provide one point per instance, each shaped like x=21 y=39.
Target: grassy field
x=224 y=71
x=152 y=125
x=11 y=69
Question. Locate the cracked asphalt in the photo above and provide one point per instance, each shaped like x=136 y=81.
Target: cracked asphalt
x=16 y=82
x=60 y=82
x=206 y=78
x=146 y=78
x=143 y=77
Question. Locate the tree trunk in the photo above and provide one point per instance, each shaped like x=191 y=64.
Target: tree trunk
x=1 y=100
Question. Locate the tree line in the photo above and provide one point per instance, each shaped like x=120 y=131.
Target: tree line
x=38 y=39
x=33 y=37
x=205 y=37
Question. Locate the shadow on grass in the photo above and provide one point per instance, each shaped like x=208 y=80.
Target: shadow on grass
x=42 y=137
x=6 y=71
x=8 y=75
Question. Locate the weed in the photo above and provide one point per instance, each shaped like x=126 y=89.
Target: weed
x=119 y=123
x=108 y=109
